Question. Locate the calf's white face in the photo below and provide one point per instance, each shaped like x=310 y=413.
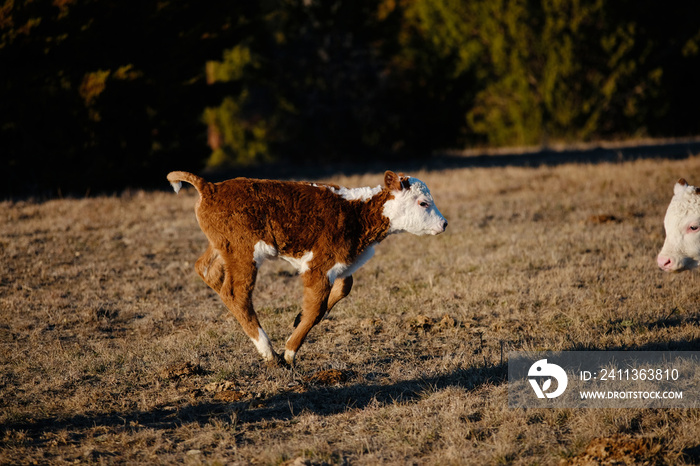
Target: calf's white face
x=412 y=209
x=681 y=250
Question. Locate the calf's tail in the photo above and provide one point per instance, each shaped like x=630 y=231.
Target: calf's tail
x=176 y=179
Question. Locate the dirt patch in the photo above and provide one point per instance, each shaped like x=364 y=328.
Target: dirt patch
x=216 y=387
x=225 y=391
x=603 y=218
x=371 y=325
x=426 y=323
x=328 y=377
x=446 y=322
x=619 y=450
x=421 y=322
x=181 y=370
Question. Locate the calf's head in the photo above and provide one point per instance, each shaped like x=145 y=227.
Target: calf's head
x=412 y=207
x=681 y=250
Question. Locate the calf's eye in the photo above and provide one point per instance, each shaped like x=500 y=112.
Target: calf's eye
x=423 y=204
x=694 y=227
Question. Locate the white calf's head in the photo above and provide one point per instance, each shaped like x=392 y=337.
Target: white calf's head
x=681 y=250
x=412 y=208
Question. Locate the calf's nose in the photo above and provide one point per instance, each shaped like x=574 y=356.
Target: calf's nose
x=444 y=225
x=665 y=263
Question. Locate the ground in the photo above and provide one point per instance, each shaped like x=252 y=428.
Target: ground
x=114 y=351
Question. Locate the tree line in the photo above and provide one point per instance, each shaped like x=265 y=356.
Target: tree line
x=102 y=94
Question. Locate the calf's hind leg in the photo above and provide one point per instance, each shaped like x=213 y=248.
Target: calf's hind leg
x=236 y=292
x=211 y=268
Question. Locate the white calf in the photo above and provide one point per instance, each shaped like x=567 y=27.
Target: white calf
x=681 y=250
x=325 y=231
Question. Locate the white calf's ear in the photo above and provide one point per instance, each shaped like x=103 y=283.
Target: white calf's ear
x=680 y=186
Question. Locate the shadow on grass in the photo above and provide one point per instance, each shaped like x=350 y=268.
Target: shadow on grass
x=285 y=406
x=333 y=400
x=673 y=345
x=320 y=400
x=618 y=326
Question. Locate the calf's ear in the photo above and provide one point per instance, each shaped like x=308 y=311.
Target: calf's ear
x=680 y=186
x=392 y=181
x=396 y=182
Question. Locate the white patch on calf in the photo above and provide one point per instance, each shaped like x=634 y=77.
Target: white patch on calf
x=341 y=270
x=300 y=263
x=262 y=343
x=289 y=356
x=335 y=271
x=262 y=251
x=681 y=249
x=351 y=194
x=177 y=185
x=413 y=210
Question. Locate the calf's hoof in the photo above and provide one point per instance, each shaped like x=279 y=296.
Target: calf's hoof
x=277 y=361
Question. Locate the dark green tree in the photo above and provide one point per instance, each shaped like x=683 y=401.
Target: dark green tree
x=559 y=70
x=99 y=94
x=313 y=89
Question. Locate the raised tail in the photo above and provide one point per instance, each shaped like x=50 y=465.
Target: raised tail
x=176 y=179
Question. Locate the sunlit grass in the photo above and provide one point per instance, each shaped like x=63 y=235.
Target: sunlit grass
x=110 y=340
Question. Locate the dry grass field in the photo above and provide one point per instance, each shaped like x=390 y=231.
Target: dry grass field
x=114 y=351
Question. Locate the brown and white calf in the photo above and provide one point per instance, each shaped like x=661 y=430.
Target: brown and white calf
x=326 y=232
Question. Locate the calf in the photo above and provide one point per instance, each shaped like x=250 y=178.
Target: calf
x=681 y=250
x=325 y=231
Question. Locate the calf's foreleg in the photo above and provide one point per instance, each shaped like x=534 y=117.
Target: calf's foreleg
x=341 y=288
x=317 y=290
